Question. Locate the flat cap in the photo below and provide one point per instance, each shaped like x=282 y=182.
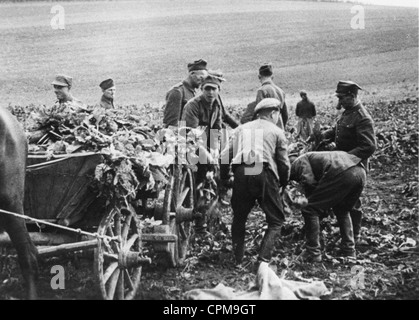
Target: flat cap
x=106 y=84
x=197 y=65
x=347 y=87
x=213 y=79
x=63 y=81
x=267 y=103
x=266 y=70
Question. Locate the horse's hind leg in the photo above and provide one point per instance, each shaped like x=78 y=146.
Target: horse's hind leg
x=26 y=252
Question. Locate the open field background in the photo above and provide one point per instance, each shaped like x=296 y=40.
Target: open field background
x=145 y=46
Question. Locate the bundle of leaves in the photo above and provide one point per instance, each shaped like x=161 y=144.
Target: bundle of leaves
x=131 y=161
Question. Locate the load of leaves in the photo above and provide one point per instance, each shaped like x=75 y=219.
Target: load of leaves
x=133 y=155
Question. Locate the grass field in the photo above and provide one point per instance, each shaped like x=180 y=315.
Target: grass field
x=145 y=46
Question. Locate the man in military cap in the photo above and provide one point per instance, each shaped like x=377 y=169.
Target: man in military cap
x=268 y=90
x=225 y=115
x=108 y=90
x=353 y=133
x=258 y=155
x=62 y=89
x=305 y=112
x=181 y=93
x=330 y=179
x=204 y=111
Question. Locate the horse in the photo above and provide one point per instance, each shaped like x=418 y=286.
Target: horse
x=13 y=155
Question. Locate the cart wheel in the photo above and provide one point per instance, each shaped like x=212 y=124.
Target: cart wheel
x=118 y=263
x=181 y=200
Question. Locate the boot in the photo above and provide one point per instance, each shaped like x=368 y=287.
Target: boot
x=237 y=235
x=313 y=249
x=268 y=243
x=356 y=217
x=347 y=235
x=238 y=249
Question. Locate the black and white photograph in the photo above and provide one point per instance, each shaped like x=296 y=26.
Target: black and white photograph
x=198 y=152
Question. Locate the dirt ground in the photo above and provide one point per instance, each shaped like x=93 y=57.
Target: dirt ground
x=387 y=254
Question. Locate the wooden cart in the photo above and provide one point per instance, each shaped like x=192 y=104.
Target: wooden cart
x=58 y=191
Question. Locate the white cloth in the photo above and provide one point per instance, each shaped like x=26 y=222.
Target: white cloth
x=268 y=287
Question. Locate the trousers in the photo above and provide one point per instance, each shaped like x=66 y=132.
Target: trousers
x=340 y=193
x=247 y=189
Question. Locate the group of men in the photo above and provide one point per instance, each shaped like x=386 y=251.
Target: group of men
x=63 y=84
x=261 y=171
x=330 y=179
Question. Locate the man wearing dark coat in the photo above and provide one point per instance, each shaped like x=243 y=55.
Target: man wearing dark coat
x=182 y=92
x=305 y=112
x=353 y=133
x=330 y=179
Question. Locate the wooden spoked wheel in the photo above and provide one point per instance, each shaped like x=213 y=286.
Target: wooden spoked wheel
x=118 y=263
x=179 y=203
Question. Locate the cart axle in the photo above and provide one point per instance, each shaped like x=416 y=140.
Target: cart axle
x=158 y=237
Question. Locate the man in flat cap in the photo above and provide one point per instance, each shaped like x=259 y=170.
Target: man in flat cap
x=353 y=133
x=258 y=155
x=108 y=94
x=330 y=179
x=62 y=89
x=268 y=90
x=305 y=112
x=182 y=92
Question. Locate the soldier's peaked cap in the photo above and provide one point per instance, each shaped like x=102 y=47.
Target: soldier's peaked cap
x=266 y=69
x=197 y=65
x=347 y=87
x=267 y=103
x=62 y=81
x=106 y=84
x=213 y=79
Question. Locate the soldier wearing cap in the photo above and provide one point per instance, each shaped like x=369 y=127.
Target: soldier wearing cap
x=305 y=112
x=258 y=155
x=268 y=90
x=225 y=115
x=204 y=111
x=182 y=92
x=353 y=133
x=108 y=94
x=62 y=89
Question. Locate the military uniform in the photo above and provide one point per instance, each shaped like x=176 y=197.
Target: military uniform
x=176 y=99
x=73 y=104
x=260 y=180
x=268 y=90
x=333 y=179
x=105 y=102
x=354 y=133
x=179 y=95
